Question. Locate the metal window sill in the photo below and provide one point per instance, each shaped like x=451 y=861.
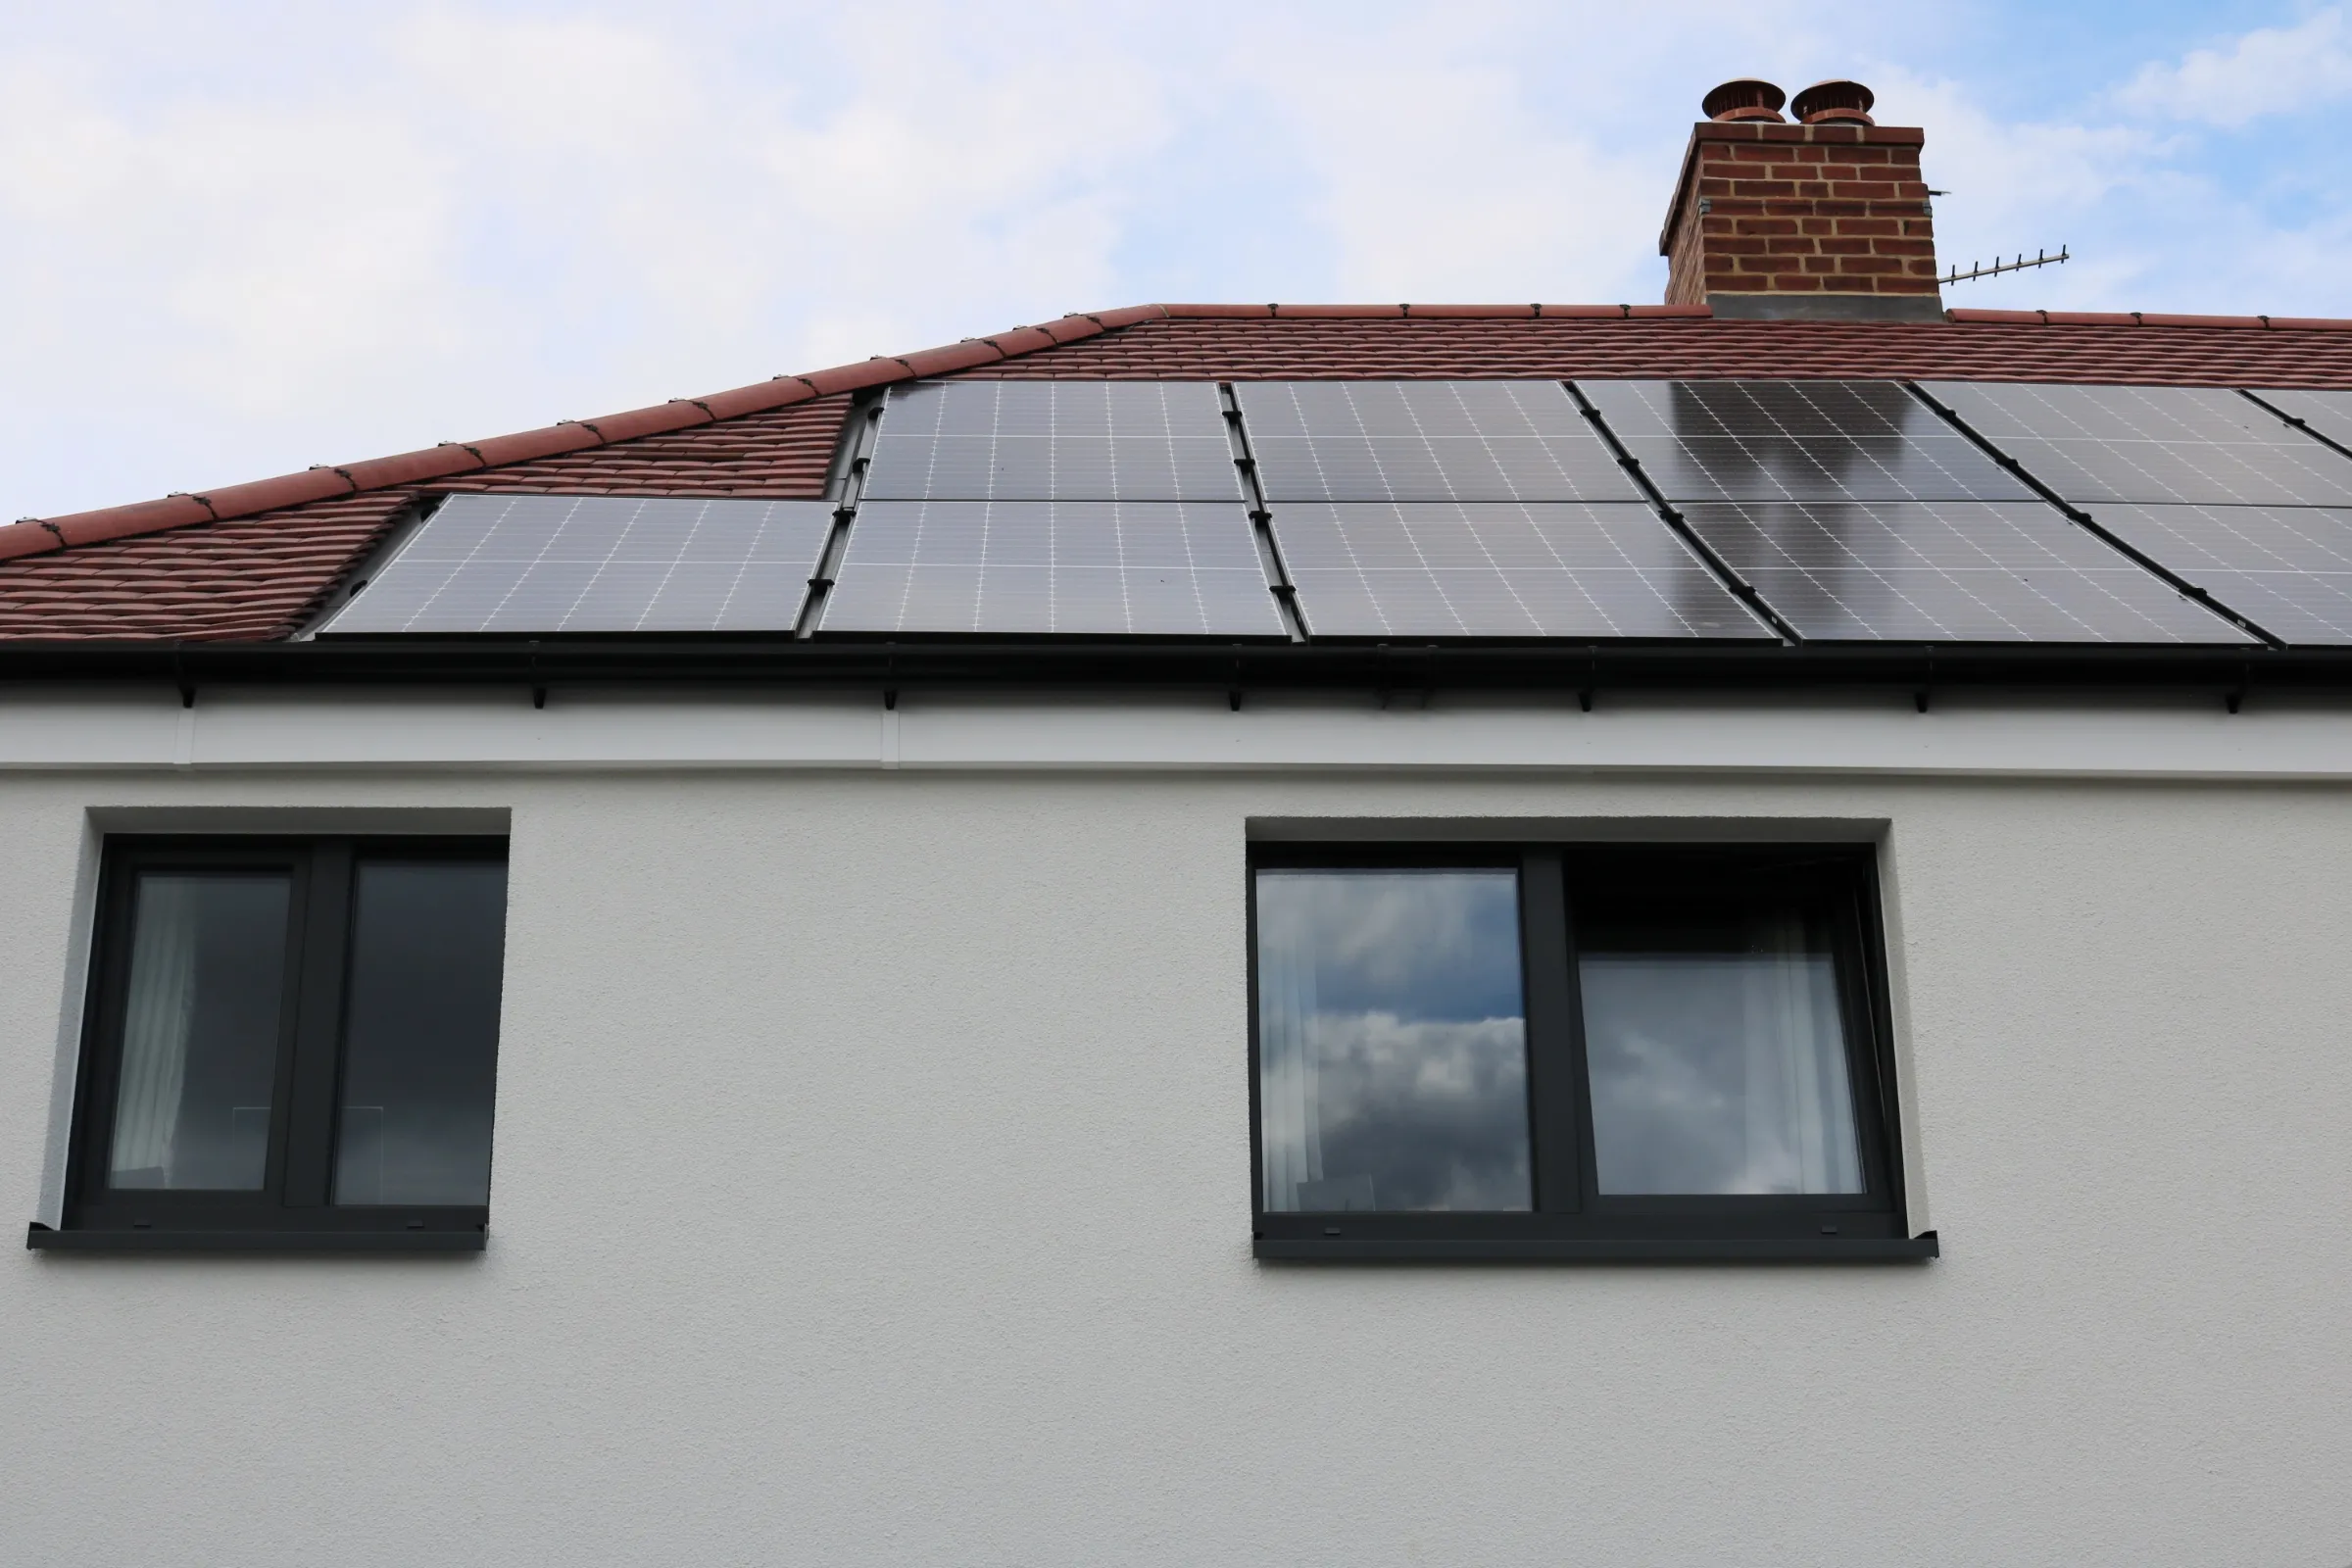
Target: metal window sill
x=41 y=1238
x=1557 y=1249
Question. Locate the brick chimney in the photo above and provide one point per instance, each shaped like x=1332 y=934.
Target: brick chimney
x=1824 y=220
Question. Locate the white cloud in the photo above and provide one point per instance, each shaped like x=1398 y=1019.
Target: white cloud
x=279 y=235
x=487 y=222
x=2269 y=71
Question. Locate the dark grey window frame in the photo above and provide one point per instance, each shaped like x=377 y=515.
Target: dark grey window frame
x=292 y=1210
x=1572 y=1222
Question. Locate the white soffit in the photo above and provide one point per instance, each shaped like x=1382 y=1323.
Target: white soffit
x=500 y=730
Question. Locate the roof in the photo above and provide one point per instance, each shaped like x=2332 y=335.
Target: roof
x=254 y=562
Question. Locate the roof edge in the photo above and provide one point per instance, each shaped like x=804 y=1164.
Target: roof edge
x=326 y=481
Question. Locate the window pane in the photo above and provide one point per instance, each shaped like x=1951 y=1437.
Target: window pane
x=1391 y=1041
x=420 y=1032
x=200 y=1031
x=1717 y=1049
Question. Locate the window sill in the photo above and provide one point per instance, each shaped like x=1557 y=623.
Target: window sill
x=1553 y=1249
x=41 y=1238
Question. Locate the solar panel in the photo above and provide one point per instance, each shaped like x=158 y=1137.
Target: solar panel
x=1052 y=441
x=2287 y=569
x=1134 y=568
x=2156 y=444
x=588 y=564
x=1535 y=570
x=1947 y=572
x=2327 y=413
x=1797 y=441
x=1426 y=441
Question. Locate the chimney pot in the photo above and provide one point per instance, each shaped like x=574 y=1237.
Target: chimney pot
x=1747 y=98
x=1834 y=103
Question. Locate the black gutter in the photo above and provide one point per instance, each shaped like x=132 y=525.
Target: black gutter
x=1079 y=664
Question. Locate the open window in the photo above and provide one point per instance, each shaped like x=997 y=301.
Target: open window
x=291 y=1043
x=1572 y=1051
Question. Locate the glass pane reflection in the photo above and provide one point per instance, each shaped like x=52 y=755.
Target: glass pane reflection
x=421 y=1039
x=1717 y=1048
x=200 y=1032
x=1391 y=1041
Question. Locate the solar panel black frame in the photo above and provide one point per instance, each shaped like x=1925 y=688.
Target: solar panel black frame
x=1058 y=440
x=553 y=564
x=1429 y=568
x=1073 y=568
x=1948 y=572
x=2155 y=445
x=2288 y=570
x=1405 y=441
x=1765 y=440
x=2325 y=414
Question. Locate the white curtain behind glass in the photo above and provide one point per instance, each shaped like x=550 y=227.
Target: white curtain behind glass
x=1800 y=1114
x=162 y=1005
x=1292 y=1143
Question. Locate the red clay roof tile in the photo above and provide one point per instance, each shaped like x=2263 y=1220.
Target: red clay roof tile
x=255 y=578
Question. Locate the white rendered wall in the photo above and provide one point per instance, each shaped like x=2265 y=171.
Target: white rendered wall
x=871 y=1186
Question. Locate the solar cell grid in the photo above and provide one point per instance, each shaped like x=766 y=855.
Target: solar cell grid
x=1409 y=410
x=2288 y=570
x=1951 y=572
x=596 y=564
x=1761 y=408
x=1795 y=441
x=2190 y=445
x=1052 y=441
x=1535 y=570
x=1426 y=441
x=1070 y=567
x=2327 y=413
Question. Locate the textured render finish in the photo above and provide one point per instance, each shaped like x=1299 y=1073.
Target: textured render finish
x=872 y=1178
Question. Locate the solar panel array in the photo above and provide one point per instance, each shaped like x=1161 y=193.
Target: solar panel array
x=2287 y=569
x=2329 y=414
x=1135 y=568
x=1464 y=441
x=1947 y=572
x=2152 y=444
x=1436 y=568
x=596 y=564
x=1052 y=441
x=1797 y=441
x=1852 y=509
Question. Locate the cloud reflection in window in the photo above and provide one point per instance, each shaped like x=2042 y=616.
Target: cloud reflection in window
x=1391 y=1041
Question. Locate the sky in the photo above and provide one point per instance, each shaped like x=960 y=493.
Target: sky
x=237 y=239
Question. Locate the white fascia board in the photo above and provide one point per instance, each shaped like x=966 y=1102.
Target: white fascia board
x=473 y=731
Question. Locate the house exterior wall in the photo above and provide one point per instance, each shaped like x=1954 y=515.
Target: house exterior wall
x=872 y=1186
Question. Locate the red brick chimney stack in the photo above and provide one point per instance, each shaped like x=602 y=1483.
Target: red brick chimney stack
x=1826 y=220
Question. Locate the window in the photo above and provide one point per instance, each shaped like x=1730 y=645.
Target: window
x=1566 y=1051
x=290 y=1043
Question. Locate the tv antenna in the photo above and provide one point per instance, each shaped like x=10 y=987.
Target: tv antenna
x=1998 y=267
